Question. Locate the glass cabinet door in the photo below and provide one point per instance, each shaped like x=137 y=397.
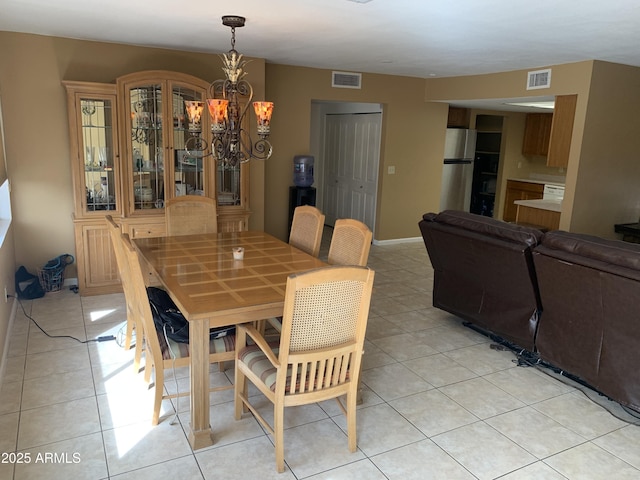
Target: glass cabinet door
x=146 y=146
x=228 y=184
x=98 y=153
x=189 y=153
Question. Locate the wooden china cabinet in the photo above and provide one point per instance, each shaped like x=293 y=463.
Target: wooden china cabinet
x=131 y=152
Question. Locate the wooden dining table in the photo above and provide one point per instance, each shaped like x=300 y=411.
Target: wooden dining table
x=212 y=289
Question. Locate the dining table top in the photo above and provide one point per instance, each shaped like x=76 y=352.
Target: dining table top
x=204 y=280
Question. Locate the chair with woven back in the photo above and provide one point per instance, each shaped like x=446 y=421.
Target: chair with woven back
x=306 y=229
x=350 y=243
x=319 y=353
x=191 y=214
x=132 y=322
x=162 y=353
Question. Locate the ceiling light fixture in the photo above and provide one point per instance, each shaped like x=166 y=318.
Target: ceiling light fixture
x=228 y=102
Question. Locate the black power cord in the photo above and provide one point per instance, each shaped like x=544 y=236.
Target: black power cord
x=105 y=338
x=524 y=358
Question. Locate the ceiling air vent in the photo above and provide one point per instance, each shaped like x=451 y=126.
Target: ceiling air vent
x=539 y=79
x=346 y=80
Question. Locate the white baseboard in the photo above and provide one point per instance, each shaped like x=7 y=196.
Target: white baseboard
x=397 y=241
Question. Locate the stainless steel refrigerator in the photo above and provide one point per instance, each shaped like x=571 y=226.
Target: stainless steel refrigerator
x=457 y=172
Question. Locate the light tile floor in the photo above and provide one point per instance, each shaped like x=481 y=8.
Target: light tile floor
x=439 y=403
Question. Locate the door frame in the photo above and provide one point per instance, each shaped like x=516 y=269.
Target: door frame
x=320 y=108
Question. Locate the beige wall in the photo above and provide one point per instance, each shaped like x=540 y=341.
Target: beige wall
x=608 y=180
x=37 y=138
x=412 y=141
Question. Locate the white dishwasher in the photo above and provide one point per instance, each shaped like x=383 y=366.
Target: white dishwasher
x=553 y=192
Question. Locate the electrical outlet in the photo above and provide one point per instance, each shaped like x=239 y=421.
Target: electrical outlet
x=6 y=295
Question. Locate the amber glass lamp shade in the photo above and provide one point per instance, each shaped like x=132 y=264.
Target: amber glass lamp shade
x=263 y=115
x=218 y=113
x=194 y=113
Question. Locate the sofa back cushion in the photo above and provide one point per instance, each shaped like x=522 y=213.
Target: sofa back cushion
x=613 y=256
x=487 y=226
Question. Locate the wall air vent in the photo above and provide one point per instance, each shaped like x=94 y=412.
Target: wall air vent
x=539 y=79
x=346 y=80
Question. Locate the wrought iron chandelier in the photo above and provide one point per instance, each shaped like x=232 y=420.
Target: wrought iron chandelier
x=228 y=102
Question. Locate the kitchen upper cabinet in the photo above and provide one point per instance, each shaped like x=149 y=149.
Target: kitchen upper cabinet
x=517 y=190
x=537 y=131
x=458 y=117
x=549 y=134
x=564 y=113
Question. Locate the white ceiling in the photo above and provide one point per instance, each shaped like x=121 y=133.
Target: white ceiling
x=419 y=38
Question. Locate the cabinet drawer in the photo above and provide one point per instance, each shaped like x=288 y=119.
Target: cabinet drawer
x=148 y=230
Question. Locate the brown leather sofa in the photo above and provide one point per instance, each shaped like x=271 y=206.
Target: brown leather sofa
x=590 y=327
x=484 y=273
x=572 y=301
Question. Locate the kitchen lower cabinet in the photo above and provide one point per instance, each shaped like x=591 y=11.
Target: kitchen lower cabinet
x=538 y=217
x=518 y=190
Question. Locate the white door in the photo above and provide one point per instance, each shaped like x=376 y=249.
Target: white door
x=352 y=156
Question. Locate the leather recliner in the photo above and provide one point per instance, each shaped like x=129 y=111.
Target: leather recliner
x=590 y=328
x=484 y=273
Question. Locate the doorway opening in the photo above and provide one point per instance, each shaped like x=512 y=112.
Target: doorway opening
x=345 y=142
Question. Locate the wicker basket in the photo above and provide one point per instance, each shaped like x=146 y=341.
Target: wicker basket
x=52 y=274
x=51 y=280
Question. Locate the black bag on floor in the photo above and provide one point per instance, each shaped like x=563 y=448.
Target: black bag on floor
x=28 y=285
x=167 y=317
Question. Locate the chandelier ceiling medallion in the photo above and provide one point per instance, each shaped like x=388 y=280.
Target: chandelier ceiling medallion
x=228 y=102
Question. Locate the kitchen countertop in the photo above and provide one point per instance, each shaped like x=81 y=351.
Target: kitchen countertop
x=542 y=204
x=532 y=180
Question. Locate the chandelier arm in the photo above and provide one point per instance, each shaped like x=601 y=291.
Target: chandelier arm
x=195 y=147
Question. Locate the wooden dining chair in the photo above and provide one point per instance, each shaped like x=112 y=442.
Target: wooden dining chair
x=162 y=353
x=132 y=321
x=191 y=214
x=319 y=353
x=306 y=229
x=350 y=243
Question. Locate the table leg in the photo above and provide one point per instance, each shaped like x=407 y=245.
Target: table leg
x=200 y=434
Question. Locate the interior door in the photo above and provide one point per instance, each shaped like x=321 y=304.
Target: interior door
x=352 y=156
